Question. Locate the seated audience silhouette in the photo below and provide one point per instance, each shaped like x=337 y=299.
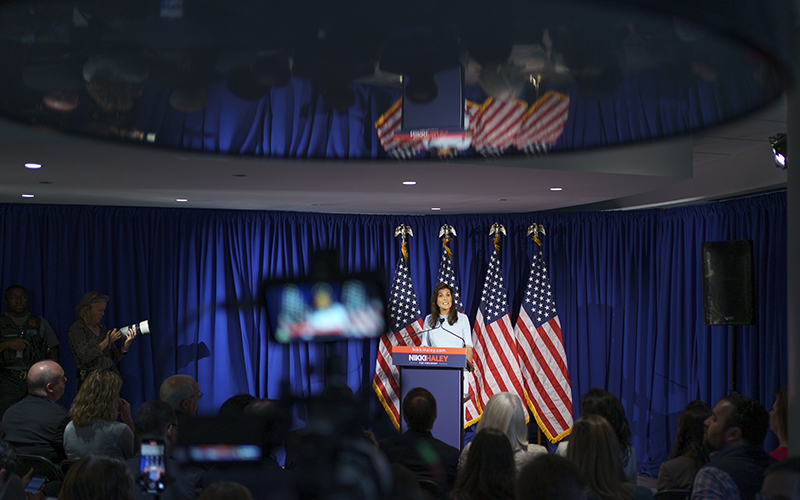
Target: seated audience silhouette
x=235 y=405
x=265 y=479
x=94 y=413
x=735 y=434
x=550 y=477
x=782 y=480
x=594 y=448
x=182 y=393
x=36 y=424
x=490 y=470
x=157 y=419
x=12 y=486
x=226 y=490
x=689 y=452
x=607 y=405
x=506 y=413
x=97 y=476
x=428 y=458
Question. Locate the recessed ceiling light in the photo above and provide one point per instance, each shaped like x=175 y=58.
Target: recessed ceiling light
x=409 y=183
x=26 y=195
x=501 y=199
x=556 y=189
x=33 y=166
x=435 y=208
x=45 y=182
x=240 y=175
x=181 y=200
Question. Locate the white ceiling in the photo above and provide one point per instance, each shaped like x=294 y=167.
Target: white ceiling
x=726 y=161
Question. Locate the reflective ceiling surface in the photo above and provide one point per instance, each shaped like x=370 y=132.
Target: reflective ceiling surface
x=325 y=79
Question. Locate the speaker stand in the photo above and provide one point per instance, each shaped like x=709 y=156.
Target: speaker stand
x=734 y=350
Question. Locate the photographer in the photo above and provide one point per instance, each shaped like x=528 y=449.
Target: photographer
x=92 y=343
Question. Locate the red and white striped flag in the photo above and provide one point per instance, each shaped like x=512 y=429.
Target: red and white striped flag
x=542 y=356
x=405 y=323
x=494 y=346
x=543 y=123
x=497 y=125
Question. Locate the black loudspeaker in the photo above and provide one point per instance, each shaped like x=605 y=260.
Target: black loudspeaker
x=728 y=286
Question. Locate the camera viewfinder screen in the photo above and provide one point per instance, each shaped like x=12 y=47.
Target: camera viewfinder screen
x=152 y=466
x=325 y=310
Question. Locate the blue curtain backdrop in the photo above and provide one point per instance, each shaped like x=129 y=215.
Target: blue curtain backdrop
x=628 y=290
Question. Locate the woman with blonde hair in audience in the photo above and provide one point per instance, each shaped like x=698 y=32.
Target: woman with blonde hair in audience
x=94 y=426
x=594 y=448
x=506 y=413
x=97 y=476
x=490 y=472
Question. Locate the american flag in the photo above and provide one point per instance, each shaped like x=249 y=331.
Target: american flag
x=495 y=348
x=497 y=125
x=543 y=123
x=405 y=323
x=541 y=353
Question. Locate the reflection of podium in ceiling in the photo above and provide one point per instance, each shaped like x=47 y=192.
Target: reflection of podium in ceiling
x=434 y=110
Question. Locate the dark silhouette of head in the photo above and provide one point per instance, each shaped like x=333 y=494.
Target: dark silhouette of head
x=421 y=88
x=689 y=438
x=490 y=469
x=419 y=410
x=550 y=477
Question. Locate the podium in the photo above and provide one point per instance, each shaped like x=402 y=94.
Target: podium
x=439 y=370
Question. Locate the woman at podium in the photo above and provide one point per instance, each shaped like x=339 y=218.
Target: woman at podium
x=446 y=327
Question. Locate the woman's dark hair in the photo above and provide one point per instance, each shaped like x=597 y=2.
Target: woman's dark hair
x=603 y=403
x=226 y=490
x=97 y=476
x=452 y=316
x=593 y=448
x=490 y=471
x=689 y=438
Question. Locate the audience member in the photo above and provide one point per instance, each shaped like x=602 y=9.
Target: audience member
x=36 y=424
x=425 y=456
x=550 y=477
x=91 y=342
x=235 y=405
x=779 y=424
x=594 y=448
x=404 y=485
x=490 y=469
x=735 y=434
x=24 y=340
x=94 y=413
x=607 y=405
x=506 y=413
x=157 y=419
x=689 y=452
x=226 y=490
x=782 y=480
x=182 y=393
x=265 y=479
x=11 y=485
x=97 y=476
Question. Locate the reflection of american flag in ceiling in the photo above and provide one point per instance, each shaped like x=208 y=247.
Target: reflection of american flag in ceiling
x=543 y=123
x=497 y=124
